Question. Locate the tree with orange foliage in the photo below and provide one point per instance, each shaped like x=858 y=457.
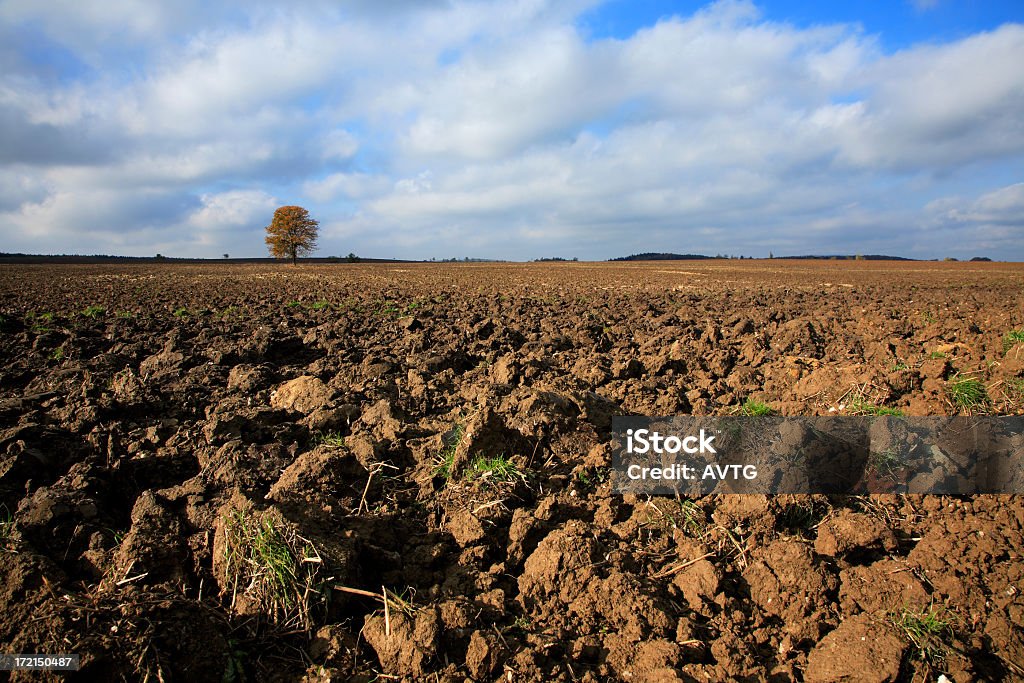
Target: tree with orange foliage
x=292 y=233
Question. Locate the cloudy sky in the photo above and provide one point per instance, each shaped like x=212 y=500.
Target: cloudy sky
x=514 y=129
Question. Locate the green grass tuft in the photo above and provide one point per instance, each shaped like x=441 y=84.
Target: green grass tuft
x=93 y=312
x=859 y=405
x=925 y=629
x=336 y=439
x=967 y=393
x=321 y=305
x=685 y=515
x=1013 y=391
x=446 y=459
x=884 y=463
x=271 y=566
x=39 y=323
x=751 y=408
x=1012 y=338
x=592 y=476
x=495 y=468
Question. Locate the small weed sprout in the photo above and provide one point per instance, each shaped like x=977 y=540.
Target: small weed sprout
x=522 y=623
x=402 y=601
x=499 y=468
x=294 y=304
x=588 y=477
x=39 y=323
x=884 y=463
x=685 y=515
x=804 y=515
x=181 y=312
x=272 y=566
x=446 y=459
x=58 y=354
x=6 y=528
x=1012 y=338
x=752 y=408
x=860 y=405
x=495 y=468
x=321 y=305
x=1013 y=391
x=93 y=311
x=926 y=631
x=334 y=439
x=694 y=523
x=967 y=394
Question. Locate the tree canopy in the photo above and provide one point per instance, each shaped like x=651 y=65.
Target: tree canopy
x=292 y=233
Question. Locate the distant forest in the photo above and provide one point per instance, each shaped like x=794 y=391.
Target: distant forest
x=657 y=256
x=653 y=256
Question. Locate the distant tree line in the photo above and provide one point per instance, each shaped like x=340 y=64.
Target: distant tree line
x=664 y=256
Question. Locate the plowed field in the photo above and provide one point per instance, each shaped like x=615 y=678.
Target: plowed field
x=363 y=471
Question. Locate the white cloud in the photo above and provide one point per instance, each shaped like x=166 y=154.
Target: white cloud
x=346 y=185
x=339 y=145
x=88 y=25
x=940 y=106
x=234 y=209
x=1004 y=206
x=989 y=224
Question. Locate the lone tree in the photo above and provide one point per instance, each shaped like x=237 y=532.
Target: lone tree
x=292 y=233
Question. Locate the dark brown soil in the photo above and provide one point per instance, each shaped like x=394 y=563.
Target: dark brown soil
x=439 y=435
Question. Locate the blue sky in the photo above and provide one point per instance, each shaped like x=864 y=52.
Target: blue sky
x=514 y=129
